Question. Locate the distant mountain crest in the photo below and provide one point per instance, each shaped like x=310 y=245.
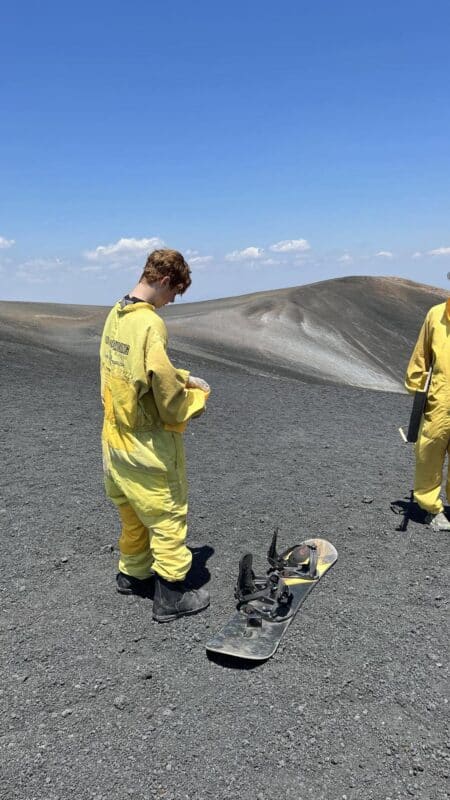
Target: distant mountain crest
x=354 y=330
x=357 y=330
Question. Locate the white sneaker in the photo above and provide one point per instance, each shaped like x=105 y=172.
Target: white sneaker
x=438 y=522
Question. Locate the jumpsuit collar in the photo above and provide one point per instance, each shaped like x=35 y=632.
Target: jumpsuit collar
x=130 y=304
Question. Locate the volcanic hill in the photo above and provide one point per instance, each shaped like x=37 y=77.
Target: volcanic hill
x=356 y=331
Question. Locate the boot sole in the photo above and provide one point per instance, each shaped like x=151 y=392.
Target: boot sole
x=172 y=617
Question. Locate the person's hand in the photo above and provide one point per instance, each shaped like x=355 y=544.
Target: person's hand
x=197 y=383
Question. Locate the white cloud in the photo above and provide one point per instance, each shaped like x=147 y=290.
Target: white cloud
x=417 y=254
x=384 y=254
x=248 y=254
x=440 y=251
x=199 y=261
x=44 y=264
x=5 y=243
x=32 y=277
x=124 y=248
x=291 y=246
x=345 y=259
x=40 y=270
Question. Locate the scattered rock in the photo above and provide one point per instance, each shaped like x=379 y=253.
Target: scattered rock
x=146 y=675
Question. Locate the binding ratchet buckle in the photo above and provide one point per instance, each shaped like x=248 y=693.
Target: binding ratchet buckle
x=270 y=598
x=299 y=561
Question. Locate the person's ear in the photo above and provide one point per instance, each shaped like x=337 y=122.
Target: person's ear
x=165 y=282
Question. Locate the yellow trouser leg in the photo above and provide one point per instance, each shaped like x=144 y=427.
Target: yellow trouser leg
x=430 y=455
x=153 y=508
x=448 y=473
x=172 y=559
x=134 y=544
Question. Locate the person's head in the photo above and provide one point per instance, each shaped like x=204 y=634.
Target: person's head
x=167 y=273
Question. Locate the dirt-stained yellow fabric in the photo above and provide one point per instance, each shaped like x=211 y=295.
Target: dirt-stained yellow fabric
x=432 y=349
x=134 y=544
x=181 y=426
x=144 y=463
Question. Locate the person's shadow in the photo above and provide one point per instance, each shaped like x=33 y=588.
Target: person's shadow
x=408 y=511
x=197 y=576
x=199 y=573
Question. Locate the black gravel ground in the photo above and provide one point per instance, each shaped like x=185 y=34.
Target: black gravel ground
x=101 y=702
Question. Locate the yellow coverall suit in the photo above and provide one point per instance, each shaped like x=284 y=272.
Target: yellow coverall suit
x=432 y=349
x=146 y=403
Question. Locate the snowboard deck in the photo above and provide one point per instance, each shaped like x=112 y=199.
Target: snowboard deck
x=242 y=638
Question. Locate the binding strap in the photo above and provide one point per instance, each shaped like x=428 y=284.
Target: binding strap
x=273 y=593
x=293 y=560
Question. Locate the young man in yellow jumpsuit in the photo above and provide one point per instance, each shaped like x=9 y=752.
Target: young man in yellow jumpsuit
x=147 y=404
x=432 y=350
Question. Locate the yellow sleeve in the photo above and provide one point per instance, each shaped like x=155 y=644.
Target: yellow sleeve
x=420 y=361
x=174 y=402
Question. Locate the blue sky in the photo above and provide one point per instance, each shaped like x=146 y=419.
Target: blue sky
x=273 y=144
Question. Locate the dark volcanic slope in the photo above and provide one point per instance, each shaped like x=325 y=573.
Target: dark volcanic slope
x=101 y=703
x=357 y=331
x=66 y=328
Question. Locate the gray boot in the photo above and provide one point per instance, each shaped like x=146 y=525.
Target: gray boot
x=175 y=599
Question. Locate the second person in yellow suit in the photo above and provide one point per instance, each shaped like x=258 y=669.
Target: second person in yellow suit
x=433 y=444
x=147 y=404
